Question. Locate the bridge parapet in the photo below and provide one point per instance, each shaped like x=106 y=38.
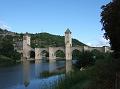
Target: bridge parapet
x=103 y=49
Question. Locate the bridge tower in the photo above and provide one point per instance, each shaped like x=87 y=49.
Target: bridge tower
x=68 y=45
x=26 y=46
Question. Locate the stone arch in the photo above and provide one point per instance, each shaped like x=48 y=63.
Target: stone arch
x=60 y=49
x=60 y=54
x=52 y=51
x=32 y=54
x=41 y=52
x=45 y=53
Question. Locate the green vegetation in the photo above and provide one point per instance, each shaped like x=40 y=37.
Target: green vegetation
x=87 y=58
x=60 y=54
x=111 y=24
x=8 y=55
x=99 y=76
x=5 y=61
x=45 y=40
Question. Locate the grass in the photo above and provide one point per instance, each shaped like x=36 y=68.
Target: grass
x=72 y=80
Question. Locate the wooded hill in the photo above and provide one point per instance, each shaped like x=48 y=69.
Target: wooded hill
x=45 y=40
x=42 y=40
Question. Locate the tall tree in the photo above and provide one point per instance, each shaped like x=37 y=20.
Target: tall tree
x=111 y=24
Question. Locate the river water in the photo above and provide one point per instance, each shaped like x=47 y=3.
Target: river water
x=29 y=75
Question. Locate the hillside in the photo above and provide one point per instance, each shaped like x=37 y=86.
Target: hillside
x=6 y=32
x=41 y=39
x=46 y=39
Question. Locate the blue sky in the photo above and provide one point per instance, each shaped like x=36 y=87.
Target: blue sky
x=82 y=17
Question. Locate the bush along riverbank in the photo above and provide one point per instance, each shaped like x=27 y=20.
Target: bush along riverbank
x=101 y=75
x=7 y=61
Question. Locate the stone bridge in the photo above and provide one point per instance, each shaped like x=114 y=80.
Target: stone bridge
x=68 y=49
x=51 y=50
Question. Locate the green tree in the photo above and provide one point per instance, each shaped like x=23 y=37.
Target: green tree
x=8 y=55
x=76 y=54
x=60 y=53
x=85 y=59
x=111 y=24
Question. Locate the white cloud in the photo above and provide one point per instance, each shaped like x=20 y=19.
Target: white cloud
x=99 y=42
x=4 y=26
x=103 y=42
x=89 y=44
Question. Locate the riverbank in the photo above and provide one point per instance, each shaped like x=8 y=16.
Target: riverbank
x=6 y=61
x=99 y=76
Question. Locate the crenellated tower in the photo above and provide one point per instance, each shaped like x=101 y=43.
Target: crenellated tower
x=68 y=45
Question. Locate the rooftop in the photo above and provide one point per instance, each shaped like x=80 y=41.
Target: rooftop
x=67 y=31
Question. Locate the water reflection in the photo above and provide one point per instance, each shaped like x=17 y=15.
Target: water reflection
x=38 y=68
x=45 y=69
x=68 y=66
x=26 y=73
x=35 y=75
x=38 y=61
x=52 y=66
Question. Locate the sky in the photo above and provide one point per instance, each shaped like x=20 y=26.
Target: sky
x=82 y=17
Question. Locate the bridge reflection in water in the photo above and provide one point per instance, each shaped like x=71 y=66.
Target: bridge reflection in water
x=26 y=73
x=45 y=69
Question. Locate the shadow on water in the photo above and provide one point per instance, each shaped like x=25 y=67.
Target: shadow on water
x=38 y=75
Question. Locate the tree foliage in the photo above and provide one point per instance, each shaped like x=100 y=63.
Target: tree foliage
x=60 y=53
x=111 y=23
x=88 y=58
x=7 y=53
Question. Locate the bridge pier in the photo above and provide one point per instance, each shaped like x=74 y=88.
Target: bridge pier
x=37 y=53
x=52 y=55
x=68 y=66
x=38 y=56
x=68 y=52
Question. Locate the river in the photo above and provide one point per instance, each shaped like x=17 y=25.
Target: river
x=38 y=75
